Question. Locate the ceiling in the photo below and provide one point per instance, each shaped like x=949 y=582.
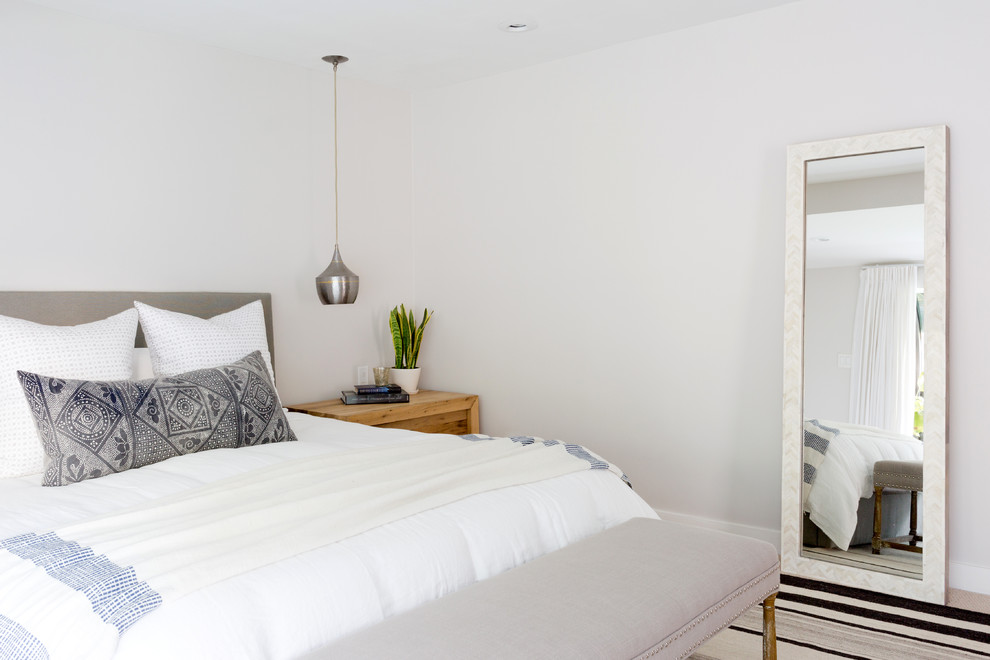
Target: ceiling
x=411 y=44
x=864 y=237
x=889 y=234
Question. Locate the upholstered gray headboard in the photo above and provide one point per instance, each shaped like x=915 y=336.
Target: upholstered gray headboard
x=75 y=307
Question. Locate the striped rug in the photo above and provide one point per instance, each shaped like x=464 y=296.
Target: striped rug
x=819 y=620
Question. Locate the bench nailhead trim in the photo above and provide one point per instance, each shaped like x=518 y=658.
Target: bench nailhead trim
x=891 y=480
x=712 y=611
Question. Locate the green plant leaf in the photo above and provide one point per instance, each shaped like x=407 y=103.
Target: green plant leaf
x=417 y=339
x=393 y=324
x=406 y=333
x=406 y=336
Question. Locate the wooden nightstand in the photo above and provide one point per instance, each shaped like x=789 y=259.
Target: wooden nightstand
x=428 y=411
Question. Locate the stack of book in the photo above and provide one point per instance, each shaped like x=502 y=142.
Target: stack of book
x=374 y=394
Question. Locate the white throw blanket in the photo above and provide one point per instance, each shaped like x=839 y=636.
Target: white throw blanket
x=72 y=592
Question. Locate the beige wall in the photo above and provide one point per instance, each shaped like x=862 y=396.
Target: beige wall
x=602 y=237
x=866 y=193
x=130 y=160
x=829 y=317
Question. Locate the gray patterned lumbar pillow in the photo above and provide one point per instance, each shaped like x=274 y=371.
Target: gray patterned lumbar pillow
x=90 y=428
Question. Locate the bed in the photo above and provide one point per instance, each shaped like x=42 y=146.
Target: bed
x=838 y=492
x=290 y=566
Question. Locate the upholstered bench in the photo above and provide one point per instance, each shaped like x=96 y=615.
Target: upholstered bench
x=643 y=589
x=899 y=475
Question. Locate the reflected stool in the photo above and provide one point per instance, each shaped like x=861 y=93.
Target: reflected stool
x=900 y=475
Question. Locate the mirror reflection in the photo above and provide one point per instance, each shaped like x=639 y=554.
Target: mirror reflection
x=864 y=361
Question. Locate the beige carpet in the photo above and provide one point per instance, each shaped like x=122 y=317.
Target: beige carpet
x=893 y=561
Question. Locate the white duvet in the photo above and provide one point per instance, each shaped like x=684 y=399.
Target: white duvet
x=846 y=475
x=287 y=608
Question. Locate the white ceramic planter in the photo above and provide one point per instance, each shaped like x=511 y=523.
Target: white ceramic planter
x=407 y=379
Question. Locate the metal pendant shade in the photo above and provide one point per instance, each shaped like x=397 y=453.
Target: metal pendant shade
x=337 y=285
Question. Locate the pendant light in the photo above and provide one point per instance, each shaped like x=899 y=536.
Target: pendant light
x=337 y=284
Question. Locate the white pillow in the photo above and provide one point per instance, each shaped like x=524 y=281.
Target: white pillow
x=101 y=350
x=179 y=342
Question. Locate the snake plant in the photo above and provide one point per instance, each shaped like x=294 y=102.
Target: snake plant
x=406 y=335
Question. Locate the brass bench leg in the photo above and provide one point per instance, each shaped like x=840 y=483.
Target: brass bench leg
x=769 y=629
x=877 y=500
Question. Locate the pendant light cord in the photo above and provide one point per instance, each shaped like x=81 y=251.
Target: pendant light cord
x=336 y=212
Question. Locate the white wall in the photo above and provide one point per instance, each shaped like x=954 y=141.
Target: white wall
x=601 y=236
x=131 y=160
x=602 y=239
x=829 y=315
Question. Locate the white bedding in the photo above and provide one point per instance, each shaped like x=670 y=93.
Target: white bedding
x=285 y=609
x=846 y=475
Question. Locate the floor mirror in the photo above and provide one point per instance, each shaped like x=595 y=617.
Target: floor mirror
x=864 y=414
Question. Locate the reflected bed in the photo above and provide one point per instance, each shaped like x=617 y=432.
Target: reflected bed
x=839 y=498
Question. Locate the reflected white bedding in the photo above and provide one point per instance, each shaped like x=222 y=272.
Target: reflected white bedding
x=846 y=475
x=285 y=609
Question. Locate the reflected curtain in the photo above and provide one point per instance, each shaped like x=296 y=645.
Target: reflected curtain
x=884 y=365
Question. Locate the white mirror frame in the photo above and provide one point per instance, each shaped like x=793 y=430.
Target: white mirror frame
x=932 y=586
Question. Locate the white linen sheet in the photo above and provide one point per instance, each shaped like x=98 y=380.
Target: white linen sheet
x=287 y=608
x=846 y=475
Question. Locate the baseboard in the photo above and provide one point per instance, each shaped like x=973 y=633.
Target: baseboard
x=771 y=536
x=970 y=582
x=969 y=577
